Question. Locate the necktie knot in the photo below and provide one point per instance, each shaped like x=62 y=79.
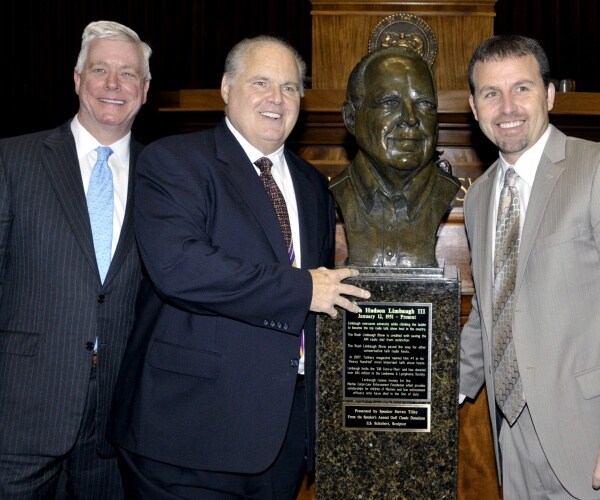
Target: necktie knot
x=103 y=153
x=510 y=177
x=264 y=165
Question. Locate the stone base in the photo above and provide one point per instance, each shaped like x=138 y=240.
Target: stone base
x=401 y=457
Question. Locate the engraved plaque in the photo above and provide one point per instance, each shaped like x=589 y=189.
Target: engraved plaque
x=386 y=417
x=387 y=352
x=387 y=358
x=387 y=388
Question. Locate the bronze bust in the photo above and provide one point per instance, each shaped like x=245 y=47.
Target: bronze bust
x=394 y=194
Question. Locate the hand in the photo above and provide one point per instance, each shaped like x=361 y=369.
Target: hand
x=596 y=476
x=329 y=291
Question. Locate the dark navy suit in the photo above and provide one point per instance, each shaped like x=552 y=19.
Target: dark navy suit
x=209 y=374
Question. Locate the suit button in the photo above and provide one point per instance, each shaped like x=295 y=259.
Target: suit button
x=101 y=299
x=272 y=324
x=89 y=346
x=266 y=322
x=294 y=362
x=285 y=326
x=279 y=325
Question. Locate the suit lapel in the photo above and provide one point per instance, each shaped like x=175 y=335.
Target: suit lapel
x=63 y=170
x=245 y=180
x=485 y=237
x=127 y=235
x=547 y=174
x=306 y=200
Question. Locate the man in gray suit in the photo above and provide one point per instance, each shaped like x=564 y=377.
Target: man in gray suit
x=546 y=420
x=65 y=320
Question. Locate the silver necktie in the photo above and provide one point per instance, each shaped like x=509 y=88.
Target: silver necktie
x=507 y=380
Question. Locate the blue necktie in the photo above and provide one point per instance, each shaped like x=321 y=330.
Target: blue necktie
x=100 y=209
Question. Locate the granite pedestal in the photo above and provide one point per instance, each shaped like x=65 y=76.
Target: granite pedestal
x=387 y=389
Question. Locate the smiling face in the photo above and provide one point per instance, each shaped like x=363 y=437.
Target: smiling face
x=263 y=99
x=111 y=88
x=396 y=125
x=511 y=103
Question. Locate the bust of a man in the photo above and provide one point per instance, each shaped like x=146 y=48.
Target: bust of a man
x=394 y=194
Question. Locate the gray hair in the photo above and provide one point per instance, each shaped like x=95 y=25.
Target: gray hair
x=110 y=30
x=234 y=60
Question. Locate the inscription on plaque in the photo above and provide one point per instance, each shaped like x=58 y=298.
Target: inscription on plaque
x=387 y=417
x=387 y=352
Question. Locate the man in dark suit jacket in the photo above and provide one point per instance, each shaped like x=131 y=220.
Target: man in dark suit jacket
x=213 y=399
x=64 y=326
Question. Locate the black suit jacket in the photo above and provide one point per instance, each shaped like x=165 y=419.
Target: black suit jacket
x=209 y=374
x=52 y=304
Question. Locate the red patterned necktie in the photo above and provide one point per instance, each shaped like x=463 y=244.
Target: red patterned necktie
x=278 y=201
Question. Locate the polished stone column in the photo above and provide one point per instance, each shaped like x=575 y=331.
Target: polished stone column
x=388 y=389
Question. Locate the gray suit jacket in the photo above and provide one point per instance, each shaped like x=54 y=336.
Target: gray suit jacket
x=556 y=326
x=52 y=304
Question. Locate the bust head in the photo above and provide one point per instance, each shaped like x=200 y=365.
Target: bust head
x=394 y=195
x=391 y=110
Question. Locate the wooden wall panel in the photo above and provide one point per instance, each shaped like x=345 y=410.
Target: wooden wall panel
x=341 y=30
x=190 y=39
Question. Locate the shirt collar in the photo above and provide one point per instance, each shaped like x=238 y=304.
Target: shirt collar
x=526 y=166
x=277 y=157
x=416 y=193
x=86 y=143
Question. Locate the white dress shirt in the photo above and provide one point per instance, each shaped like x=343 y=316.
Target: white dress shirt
x=526 y=168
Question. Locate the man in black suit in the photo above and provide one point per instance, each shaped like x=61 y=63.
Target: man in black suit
x=214 y=399
x=64 y=316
